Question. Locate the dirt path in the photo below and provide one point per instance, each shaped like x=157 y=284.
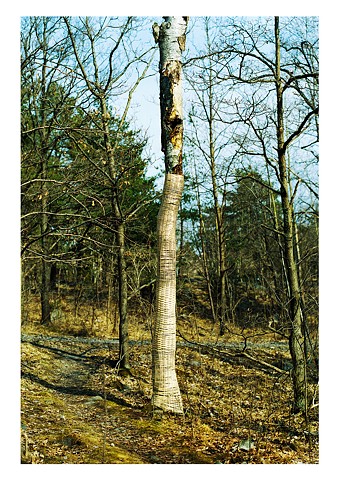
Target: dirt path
x=77 y=409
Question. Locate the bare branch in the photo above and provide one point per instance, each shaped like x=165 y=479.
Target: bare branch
x=300 y=129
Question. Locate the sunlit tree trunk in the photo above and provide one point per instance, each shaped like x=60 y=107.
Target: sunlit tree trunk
x=45 y=268
x=120 y=240
x=166 y=393
x=171 y=38
x=295 y=312
x=202 y=233
x=123 y=312
x=220 y=232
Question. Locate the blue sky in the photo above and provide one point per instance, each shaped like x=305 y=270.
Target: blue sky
x=145 y=108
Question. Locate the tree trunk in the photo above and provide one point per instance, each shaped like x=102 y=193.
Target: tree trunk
x=45 y=269
x=122 y=281
x=45 y=288
x=202 y=233
x=166 y=393
x=120 y=239
x=296 y=336
x=171 y=38
x=221 y=293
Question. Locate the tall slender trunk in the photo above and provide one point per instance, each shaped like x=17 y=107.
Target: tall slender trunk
x=109 y=280
x=295 y=313
x=202 y=233
x=222 y=284
x=308 y=347
x=45 y=286
x=45 y=268
x=279 y=277
x=122 y=282
x=171 y=38
x=120 y=240
x=220 y=242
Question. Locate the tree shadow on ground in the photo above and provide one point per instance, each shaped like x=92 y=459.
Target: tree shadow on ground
x=82 y=357
x=74 y=390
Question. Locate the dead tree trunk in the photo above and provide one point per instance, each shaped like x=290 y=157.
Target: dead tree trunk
x=171 y=38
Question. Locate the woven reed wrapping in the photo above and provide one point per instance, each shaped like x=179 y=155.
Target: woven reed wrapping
x=166 y=393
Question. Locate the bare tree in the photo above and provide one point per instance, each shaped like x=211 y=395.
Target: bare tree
x=297 y=340
x=105 y=72
x=279 y=126
x=210 y=141
x=269 y=83
x=47 y=102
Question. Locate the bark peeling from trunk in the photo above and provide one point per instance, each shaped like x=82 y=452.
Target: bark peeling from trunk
x=172 y=43
x=171 y=38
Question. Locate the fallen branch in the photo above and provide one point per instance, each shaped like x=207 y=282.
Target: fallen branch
x=236 y=354
x=261 y=362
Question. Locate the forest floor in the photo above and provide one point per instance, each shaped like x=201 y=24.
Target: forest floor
x=76 y=407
